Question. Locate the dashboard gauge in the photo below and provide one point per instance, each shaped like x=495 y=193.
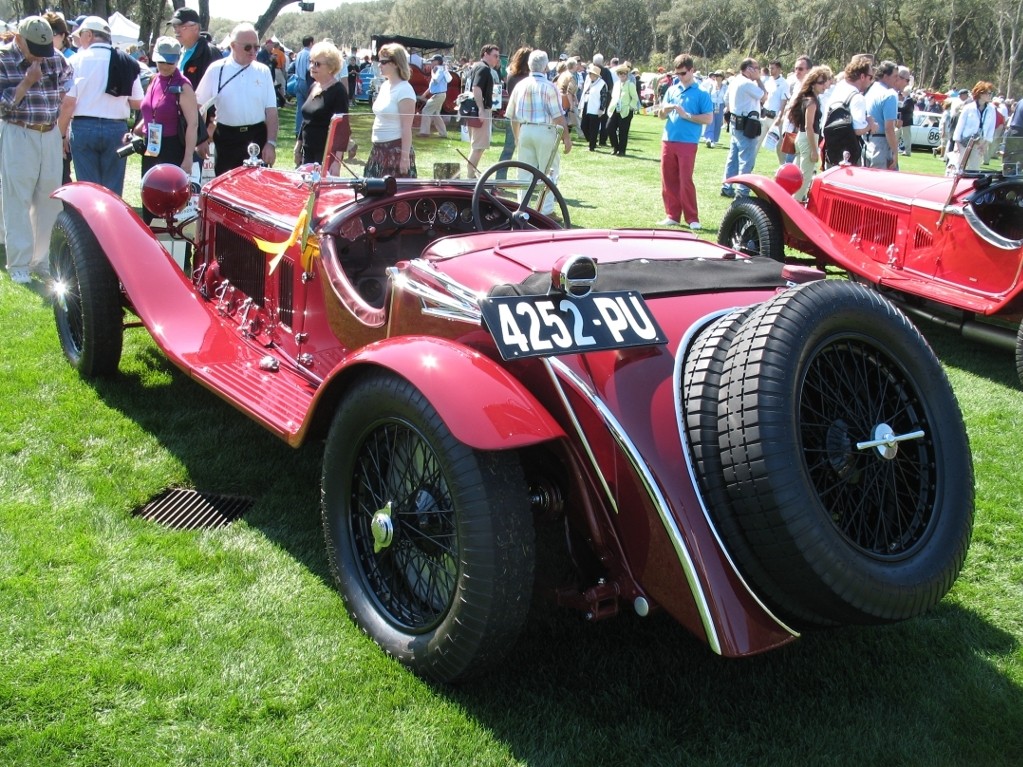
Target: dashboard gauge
x=401 y=212
x=426 y=210
x=447 y=213
x=379 y=215
x=466 y=215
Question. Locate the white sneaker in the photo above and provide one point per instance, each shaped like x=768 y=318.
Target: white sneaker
x=20 y=276
x=695 y=226
x=709 y=143
x=668 y=222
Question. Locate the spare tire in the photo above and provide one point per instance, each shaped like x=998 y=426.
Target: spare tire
x=1019 y=352
x=845 y=459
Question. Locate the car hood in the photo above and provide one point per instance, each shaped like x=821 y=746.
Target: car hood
x=883 y=184
x=481 y=262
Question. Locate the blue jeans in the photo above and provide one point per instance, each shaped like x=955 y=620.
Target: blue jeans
x=742 y=154
x=712 y=131
x=94 y=145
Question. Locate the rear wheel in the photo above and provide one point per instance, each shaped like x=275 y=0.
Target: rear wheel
x=87 y=298
x=430 y=541
x=1019 y=352
x=845 y=458
x=753 y=227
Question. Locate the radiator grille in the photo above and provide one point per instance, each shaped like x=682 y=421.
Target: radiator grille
x=286 y=275
x=241 y=262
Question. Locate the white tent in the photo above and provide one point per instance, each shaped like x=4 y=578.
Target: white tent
x=123 y=31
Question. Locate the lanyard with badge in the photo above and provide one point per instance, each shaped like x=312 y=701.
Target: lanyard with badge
x=220 y=87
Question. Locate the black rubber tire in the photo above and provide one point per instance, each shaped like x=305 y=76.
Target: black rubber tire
x=753 y=227
x=87 y=298
x=701 y=387
x=840 y=534
x=517 y=218
x=387 y=444
x=1019 y=352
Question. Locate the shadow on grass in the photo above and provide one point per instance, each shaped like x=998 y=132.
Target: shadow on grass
x=631 y=690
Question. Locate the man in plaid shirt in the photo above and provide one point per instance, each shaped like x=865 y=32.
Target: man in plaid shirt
x=34 y=79
x=534 y=111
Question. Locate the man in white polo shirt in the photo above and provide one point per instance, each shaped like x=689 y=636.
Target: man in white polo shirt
x=242 y=91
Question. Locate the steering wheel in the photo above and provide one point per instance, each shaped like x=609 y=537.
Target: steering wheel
x=519 y=217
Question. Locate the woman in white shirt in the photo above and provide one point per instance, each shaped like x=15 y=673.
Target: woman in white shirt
x=394 y=109
x=976 y=119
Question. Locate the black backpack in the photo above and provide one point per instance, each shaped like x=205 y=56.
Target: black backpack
x=840 y=137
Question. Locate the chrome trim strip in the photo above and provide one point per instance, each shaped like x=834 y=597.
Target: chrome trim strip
x=986 y=233
x=680 y=355
x=659 y=501
x=584 y=390
x=458 y=304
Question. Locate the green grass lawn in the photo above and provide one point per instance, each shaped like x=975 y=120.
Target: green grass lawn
x=123 y=643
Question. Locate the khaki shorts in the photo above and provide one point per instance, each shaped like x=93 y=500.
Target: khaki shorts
x=480 y=137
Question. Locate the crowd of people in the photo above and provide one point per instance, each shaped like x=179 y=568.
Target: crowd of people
x=67 y=95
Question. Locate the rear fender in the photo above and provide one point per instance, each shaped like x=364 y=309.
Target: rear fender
x=802 y=229
x=478 y=400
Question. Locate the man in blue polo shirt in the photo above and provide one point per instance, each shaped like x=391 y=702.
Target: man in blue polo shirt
x=687 y=108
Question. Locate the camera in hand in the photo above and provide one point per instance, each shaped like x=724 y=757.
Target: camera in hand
x=136 y=146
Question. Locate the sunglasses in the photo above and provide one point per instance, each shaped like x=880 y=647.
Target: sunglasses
x=681 y=71
x=820 y=82
x=249 y=48
x=317 y=63
x=385 y=61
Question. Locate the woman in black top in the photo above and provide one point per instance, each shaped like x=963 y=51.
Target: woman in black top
x=327 y=97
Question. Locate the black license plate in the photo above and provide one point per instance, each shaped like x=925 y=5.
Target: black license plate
x=535 y=326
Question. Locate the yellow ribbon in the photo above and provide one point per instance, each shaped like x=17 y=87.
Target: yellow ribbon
x=300 y=234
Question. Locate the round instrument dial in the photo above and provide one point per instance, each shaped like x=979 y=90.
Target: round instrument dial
x=426 y=210
x=401 y=212
x=447 y=213
x=466 y=215
x=378 y=216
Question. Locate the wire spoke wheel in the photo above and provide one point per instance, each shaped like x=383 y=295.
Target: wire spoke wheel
x=413 y=578
x=881 y=503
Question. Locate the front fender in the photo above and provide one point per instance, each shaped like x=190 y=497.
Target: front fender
x=803 y=230
x=479 y=401
x=157 y=288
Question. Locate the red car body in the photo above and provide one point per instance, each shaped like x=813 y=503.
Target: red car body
x=948 y=250
x=380 y=337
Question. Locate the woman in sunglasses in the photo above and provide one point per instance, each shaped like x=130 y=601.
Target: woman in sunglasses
x=805 y=115
x=394 y=109
x=327 y=97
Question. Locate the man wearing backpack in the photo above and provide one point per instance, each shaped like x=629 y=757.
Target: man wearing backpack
x=845 y=116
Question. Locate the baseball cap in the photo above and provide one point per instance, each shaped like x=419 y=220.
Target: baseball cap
x=167 y=50
x=184 y=16
x=78 y=22
x=94 y=24
x=37 y=34
x=437 y=57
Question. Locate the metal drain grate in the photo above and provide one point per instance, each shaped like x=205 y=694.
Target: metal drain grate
x=183 y=509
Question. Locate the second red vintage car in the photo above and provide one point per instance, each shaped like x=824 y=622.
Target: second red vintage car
x=752 y=449
x=947 y=250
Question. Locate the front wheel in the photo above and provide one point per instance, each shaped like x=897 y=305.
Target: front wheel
x=753 y=227
x=87 y=298
x=431 y=542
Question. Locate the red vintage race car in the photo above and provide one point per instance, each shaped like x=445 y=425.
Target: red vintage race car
x=610 y=419
x=948 y=250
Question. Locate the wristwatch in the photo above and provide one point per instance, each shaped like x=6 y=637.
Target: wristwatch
x=272 y=143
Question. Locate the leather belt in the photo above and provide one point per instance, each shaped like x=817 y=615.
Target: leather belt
x=37 y=127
